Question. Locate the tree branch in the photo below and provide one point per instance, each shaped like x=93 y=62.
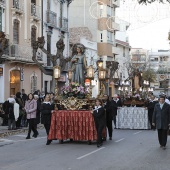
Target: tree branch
x=41 y=67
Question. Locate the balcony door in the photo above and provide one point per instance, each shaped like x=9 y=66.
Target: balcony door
x=14 y=82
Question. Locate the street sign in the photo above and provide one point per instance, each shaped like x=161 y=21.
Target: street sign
x=1 y=71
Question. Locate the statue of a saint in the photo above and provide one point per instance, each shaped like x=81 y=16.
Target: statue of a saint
x=78 y=66
x=137 y=80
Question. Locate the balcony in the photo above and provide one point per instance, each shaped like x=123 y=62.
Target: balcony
x=21 y=53
x=2 y=3
x=115 y=26
x=115 y=50
x=18 y=7
x=64 y=26
x=35 y=12
x=51 y=18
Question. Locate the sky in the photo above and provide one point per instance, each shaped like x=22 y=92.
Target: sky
x=149 y=24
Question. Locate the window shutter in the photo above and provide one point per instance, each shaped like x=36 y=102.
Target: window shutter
x=16 y=32
x=33 y=35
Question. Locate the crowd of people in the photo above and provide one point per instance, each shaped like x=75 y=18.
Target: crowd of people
x=29 y=110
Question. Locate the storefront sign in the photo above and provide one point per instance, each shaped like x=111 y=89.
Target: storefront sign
x=1 y=71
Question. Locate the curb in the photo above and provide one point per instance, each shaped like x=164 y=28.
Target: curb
x=15 y=132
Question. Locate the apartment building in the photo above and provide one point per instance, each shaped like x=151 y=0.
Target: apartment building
x=21 y=22
x=95 y=21
x=159 y=61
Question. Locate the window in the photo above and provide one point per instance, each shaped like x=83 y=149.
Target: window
x=101 y=37
x=109 y=36
x=16 y=32
x=33 y=83
x=109 y=11
x=33 y=35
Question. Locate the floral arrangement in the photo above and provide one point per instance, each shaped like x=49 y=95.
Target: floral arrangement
x=75 y=89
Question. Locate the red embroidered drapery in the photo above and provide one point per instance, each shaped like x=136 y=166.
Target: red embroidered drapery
x=76 y=125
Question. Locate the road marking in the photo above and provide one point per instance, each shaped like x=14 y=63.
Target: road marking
x=120 y=140
x=90 y=153
x=137 y=132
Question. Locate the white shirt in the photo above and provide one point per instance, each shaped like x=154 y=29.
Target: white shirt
x=167 y=101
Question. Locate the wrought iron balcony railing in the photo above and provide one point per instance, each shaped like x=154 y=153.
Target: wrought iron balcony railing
x=23 y=53
x=18 y=5
x=52 y=18
x=64 y=26
x=2 y=3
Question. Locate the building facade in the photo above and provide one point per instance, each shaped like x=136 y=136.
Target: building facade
x=21 y=22
x=55 y=26
x=159 y=61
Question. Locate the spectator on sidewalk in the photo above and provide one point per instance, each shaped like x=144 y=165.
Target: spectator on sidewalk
x=11 y=116
x=161 y=119
x=31 y=110
x=21 y=109
x=36 y=97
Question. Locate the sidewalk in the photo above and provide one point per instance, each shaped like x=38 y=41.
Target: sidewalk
x=4 y=132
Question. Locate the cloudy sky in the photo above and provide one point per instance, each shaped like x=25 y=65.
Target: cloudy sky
x=149 y=24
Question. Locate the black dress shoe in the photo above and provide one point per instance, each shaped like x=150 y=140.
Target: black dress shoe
x=110 y=138
x=99 y=145
x=48 y=142
x=28 y=137
x=35 y=135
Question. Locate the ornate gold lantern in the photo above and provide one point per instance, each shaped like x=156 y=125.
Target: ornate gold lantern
x=100 y=63
x=102 y=74
x=56 y=74
x=90 y=72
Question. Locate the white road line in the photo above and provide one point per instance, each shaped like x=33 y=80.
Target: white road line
x=137 y=132
x=81 y=157
x=120 y=140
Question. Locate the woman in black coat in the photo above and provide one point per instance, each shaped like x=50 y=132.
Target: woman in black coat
x=46 y=108
x=99 y=118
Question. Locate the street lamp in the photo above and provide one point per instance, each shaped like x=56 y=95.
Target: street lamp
x=99 y=63
x=56 y=74
x=101 y=77
x=90 y=76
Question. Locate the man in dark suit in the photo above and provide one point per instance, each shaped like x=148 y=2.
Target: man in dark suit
x=161 y=119
x=150 y=106
x=116 y=103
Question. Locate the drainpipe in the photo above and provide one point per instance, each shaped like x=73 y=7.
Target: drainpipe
x=42 y=20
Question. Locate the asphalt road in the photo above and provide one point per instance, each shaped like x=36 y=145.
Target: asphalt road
x=129 y=150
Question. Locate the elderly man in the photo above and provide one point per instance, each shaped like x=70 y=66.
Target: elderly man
x=161 y=119
x=116 y=103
